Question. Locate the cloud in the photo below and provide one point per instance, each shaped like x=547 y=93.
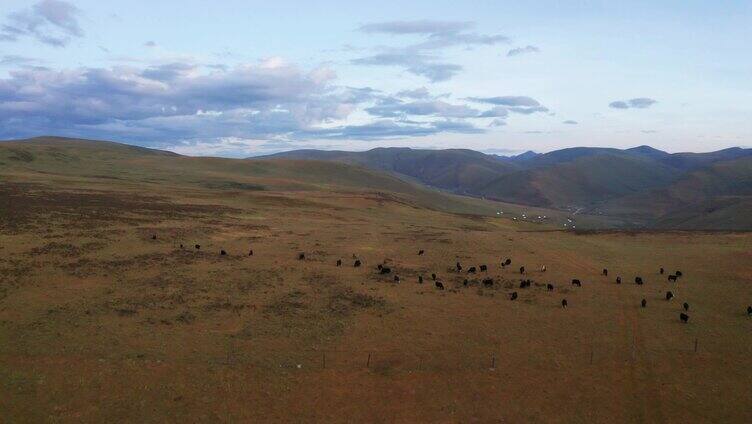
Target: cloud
x=150 y=43
x=517 y=104
x=418 y=94
x=422 y=108
x=417 y=27
x=414 y=62
x=161 y=105
x=637 y=103
x=570 y=122
x=422 y=58
x=496 y=112
x=52 y=22
x=17 y=60
x=522 y=50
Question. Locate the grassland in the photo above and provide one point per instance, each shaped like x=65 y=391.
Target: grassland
x=101 y=322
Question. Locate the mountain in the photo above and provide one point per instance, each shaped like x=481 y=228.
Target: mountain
x=642 y=185
x=458 y=170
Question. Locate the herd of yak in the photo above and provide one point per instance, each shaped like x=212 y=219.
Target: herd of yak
x=489 y=282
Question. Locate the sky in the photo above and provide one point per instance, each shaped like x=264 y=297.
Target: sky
x=243 y=78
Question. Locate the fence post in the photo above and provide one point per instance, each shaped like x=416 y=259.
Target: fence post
x=368 y=362
x=695 y=344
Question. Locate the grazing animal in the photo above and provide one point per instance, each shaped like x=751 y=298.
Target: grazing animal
x=672 y=277
x=357 y=263
x=550 y=287
x=420 y=252
x=379 y=266
x=605 y=272
x=749 y=311
x=543 y=268
x=686 y=306
x=644 y=303
x=669 y=295
x=420 y=279
x=181 y=245
x=222 y=252
x=524 y=283
x=563 y=303
x=684 y=317
x=459 y=267
x=662 y=271
x=638 y=280
x=154 y=237
x=471 y=270
x=385 y=270
x=483 y=268
x=301 y=256
x=433 y=277
x=576 y=282
x=678 y=273
x=522 y=270
x=618 y=280
x=465 y=283
x=396 y=279
x=439 y=285
x=508 y=262
x=250 y=253
x=198 y=247
x=488 y=282
x=513 y=296
x=339 y=262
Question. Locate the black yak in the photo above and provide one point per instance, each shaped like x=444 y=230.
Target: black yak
x=550 y=287
x=488 y=282
x=672 y=277
x=563 y=303
x=644 y=303
x=154 y=237
x=686 y=306
x=222 y=252
x=605 y=272
x=356 y=263
x=522 y=270
x=385 y=270
x=433 y=277
x=576 y=282
x=420 y=279
x=662 y=271
x=339 y=262
x=301 y=256
x=459 y=267
x=439 y=285
x=638 y=280
x=618 y=280
x=483 y=268
x=471 y=270
x=513 y=296
x=678 y=273
x=684 y=317
x=508 y=262
x=250 y=253
x=669 y=295
x=396 y=279
x=749 y=311
x=198 y=247
x=466 y=282
x=420 y=252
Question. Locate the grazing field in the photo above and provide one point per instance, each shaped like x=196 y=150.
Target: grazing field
x=104 y=317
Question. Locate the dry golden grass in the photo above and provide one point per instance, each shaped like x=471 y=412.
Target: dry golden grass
x=101 y=323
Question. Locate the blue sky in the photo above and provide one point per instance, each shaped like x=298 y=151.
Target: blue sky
x=239 y=78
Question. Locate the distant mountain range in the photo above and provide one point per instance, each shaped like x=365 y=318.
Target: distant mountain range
x=643 y=186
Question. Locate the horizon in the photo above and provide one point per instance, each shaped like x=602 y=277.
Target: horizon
x=239 y=80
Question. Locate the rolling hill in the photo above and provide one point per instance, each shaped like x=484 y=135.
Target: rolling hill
x=639 y=185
